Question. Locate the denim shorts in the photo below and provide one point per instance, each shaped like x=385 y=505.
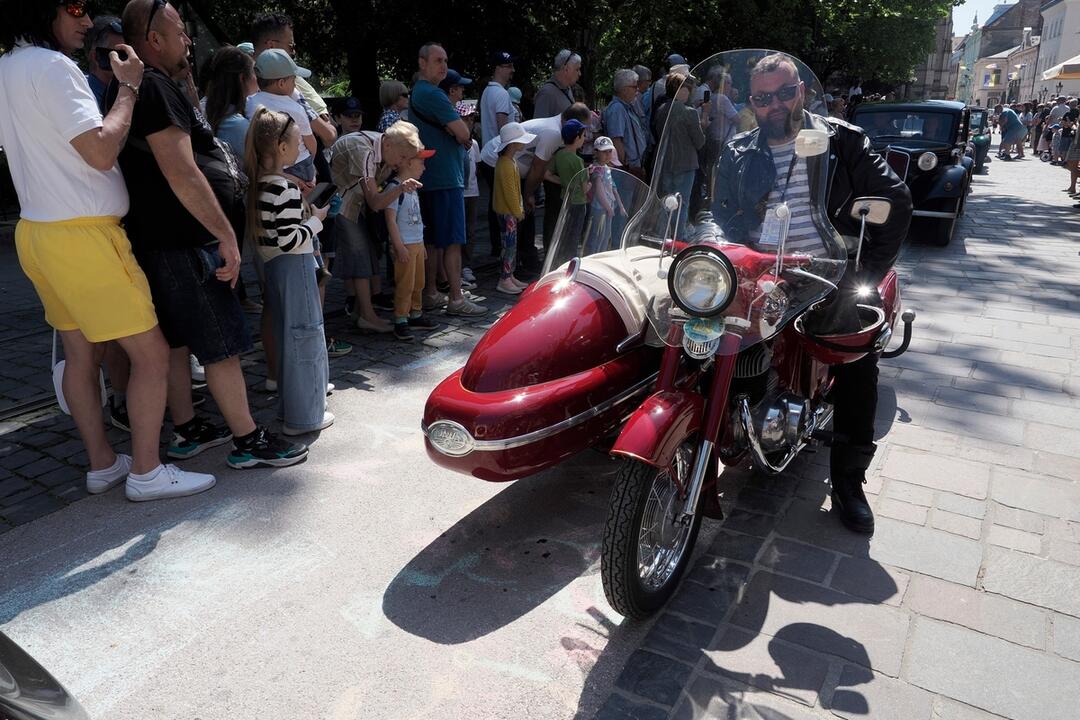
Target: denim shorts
x=194 y=308
x=444 y=217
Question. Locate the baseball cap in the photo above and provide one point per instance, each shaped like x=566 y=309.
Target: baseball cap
x=453 y=77
x=675 y=59
x=501 y=57
x=276 y=64
x=604 y=143
x=515 y=94
x=571 y=129
x=465 y=108
x=246 y=48
x=425 y=154
x=350 y=105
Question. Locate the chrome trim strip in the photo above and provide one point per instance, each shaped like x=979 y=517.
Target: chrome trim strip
x=544 y=433
x=933 y=214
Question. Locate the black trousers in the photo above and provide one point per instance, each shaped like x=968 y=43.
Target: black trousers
x=494 y=232
x=854 y=397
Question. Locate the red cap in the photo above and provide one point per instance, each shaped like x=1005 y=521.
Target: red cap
x=425 y=154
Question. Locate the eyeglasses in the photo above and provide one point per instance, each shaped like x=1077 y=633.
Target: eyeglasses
x=285 y=129
x=784 y=94
x=75 y=8
x=158 y=4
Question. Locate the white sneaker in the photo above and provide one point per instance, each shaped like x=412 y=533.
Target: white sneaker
x=168 y=481
x=198 y=372
x=509 y=287
x=99 y=481
x=327 y=421
x=468 y=274
x=330 y=388
x=270 y=385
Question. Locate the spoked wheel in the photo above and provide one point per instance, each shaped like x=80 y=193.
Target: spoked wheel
x=646 y=546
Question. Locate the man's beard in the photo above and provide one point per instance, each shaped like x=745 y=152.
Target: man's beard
x=782 y=124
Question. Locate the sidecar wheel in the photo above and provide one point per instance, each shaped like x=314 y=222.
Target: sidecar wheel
x=645 y=550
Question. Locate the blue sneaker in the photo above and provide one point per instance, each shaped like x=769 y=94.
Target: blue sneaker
x=265 y=449
x=198 y=435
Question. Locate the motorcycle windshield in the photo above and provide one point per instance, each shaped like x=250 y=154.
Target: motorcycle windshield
x=742 y=165
x=596 y=212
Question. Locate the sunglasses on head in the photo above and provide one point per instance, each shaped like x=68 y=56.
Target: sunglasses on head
x=158 y=4
x=75 y=8
x=566 y=61
x=784 y=94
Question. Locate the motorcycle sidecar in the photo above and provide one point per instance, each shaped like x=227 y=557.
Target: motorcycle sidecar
x=554 y=376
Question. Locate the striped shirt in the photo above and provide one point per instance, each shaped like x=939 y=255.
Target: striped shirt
x=803 y=236
x=281 y=213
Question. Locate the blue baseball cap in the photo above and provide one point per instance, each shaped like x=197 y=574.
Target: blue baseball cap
x=453 y=77
x=350 y=105
x=571 y=129
x=501 y=57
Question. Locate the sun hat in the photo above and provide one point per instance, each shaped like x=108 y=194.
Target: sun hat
x=275 y=64
x=513 y=133
x=603 y=143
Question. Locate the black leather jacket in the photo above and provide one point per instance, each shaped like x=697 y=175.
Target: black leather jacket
x=746 y=173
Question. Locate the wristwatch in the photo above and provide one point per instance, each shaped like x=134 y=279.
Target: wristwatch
x=133 y=88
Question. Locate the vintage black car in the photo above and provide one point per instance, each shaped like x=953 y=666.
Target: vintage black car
x=925 y=143
x=978 y=136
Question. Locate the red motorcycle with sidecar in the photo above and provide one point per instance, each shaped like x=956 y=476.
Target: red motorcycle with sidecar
x=689 y=349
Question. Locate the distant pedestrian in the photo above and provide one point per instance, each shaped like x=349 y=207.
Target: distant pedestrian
x=231 y=80
x=515 y=100
x=606 y=203
x=406 y=228
x=555 y=95
x=508 y=202
x=394 y=98
x=622 y=124
x=496 y=110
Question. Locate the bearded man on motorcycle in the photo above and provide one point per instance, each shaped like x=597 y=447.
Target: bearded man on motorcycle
x=758 y=170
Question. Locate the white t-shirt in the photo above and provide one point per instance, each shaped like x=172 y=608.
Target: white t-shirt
x=472 y=189
x=548 y=133
x=45 y=103
x=496 y=99
x=281 y=103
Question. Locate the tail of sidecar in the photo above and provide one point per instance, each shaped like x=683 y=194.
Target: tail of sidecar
x=555 y=375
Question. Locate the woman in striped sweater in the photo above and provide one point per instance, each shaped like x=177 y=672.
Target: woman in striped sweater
x=283 y=231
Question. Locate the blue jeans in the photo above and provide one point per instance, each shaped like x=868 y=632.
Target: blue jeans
x=682 y=183
x=292 y=296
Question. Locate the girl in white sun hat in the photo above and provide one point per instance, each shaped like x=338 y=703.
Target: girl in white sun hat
x=508 y=203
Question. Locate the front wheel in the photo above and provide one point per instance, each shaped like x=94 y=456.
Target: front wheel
x=646 y=547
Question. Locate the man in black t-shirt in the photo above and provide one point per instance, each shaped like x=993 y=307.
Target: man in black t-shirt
x=183 y=189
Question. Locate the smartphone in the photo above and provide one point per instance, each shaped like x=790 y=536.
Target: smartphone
x=320 y=196
x=708 y=95
x=101 y=54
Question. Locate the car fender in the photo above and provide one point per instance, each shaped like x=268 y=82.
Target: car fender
x=656 y=429
x=968 y=162
x=950 y=183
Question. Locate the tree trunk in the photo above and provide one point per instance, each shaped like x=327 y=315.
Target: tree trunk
x=353 y=26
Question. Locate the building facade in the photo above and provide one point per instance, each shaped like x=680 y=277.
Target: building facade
x=932 y=77
x=1060 y=42
x=991 y=78
x=965 y=69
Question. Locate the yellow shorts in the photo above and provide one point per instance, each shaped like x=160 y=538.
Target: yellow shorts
x=86 y=277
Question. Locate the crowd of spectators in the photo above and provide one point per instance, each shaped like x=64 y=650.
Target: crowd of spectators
x=140 y=189
x=1045 y=130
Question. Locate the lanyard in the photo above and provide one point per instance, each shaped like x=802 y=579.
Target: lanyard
x=790 y=170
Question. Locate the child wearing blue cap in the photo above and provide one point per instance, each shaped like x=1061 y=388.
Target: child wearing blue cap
x=568 y=167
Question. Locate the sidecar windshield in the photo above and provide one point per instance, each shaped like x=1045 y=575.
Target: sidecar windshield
x=742 y=165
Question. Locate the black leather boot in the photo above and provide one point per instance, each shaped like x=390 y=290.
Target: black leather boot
x=847 y=471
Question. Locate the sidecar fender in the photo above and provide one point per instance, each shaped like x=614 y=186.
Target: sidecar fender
x=656 y=429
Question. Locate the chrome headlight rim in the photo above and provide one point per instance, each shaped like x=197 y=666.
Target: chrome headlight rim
x=467 y=442
x=931 y=159
x=696 y=252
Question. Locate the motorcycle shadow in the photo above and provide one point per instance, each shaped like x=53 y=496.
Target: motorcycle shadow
x=507 y=557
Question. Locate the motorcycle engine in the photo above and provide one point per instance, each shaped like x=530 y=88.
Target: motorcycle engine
x=779 y=417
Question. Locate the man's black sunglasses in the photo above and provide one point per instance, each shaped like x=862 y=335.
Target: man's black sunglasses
x=784 y=94
x=158 y=4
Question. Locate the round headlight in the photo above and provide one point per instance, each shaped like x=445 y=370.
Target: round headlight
x=927 y=161
x=702 y=281
x=450 y=438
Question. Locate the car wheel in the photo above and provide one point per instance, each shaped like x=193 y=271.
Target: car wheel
x=944 y=228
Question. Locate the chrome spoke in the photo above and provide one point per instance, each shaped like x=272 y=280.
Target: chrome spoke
x=662 y=543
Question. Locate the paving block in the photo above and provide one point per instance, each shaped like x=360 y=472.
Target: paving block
x=711 y=697
x=750 y=523
x=862 y=693
x=817 y=525
x=678 y=637
x=985 y=612
x=990 y=673
x=804 y=614
x=1044 y=495
x=908 y=493
x=899 y=510
x=618 y=707
x=735 y=546
x=956 y=524
x=653 y=677
x=769 y=663
x=31 y=509
x=1033 y=580
x=938 y=472
x=870 y=580
x=794 y=558
x=961 y=505
x=1019 y=519
x=710 y=600
x=1055 y=465
x=761 y=502
x=1066 y=636
x=966 y=400
x=1053 y=439
x=926 y=551
x=1015 y=539
x=1064 y=551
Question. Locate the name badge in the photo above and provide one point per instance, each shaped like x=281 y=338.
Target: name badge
x=774 y=228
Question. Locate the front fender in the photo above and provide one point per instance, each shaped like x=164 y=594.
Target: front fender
x=949 y=184
x=656 y=429
x=968 y=162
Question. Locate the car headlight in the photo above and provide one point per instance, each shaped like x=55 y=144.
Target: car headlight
x=927 y=161
x=702 y=281
x=450 y=438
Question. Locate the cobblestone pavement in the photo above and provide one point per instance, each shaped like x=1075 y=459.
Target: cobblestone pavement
x=965 y=605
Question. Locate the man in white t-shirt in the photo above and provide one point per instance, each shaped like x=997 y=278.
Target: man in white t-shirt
x=62 y=155
x=496 y=109
x=532 y=163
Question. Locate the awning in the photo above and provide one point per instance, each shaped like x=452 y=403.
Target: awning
x=1068 y=70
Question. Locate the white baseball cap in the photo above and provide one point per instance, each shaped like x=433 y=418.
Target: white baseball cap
x=604 y=143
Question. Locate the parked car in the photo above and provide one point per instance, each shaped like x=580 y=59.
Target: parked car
x=925 y=143
x=978 y=136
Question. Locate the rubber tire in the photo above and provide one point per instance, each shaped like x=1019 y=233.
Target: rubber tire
x=945 y=229
x=618 y=556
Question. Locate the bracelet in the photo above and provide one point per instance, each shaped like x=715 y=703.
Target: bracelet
x=133 y=88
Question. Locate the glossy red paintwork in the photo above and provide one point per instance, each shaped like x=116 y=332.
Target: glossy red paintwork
x=662 y=423
x=547 y=336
